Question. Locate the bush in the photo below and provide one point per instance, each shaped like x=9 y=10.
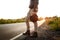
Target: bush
x=54 y=23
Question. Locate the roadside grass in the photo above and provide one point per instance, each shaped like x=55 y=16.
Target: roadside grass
x=53 y=23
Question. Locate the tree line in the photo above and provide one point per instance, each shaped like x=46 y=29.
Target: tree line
x=7 y=21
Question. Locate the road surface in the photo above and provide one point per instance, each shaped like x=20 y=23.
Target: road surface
x=8 y=31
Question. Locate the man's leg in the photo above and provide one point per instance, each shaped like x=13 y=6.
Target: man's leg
x=28 y=18
x=35 y=30
x=27 y=23
x=28 y=27
x=35 y=26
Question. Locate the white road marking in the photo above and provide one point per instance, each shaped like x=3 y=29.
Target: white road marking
x=39 y=23
x=17 y=36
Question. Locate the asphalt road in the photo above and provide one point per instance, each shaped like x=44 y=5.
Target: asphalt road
x=8 y=31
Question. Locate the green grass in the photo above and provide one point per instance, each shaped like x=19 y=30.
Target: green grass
x=54 y=23
x=8 y=21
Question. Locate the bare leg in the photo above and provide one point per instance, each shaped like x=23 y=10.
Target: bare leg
x=35 y=30
x=28 y=28
x=28 y=18
x=35 y=26
x=27 y=23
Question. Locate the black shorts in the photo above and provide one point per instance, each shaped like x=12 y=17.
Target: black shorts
x=32 y=4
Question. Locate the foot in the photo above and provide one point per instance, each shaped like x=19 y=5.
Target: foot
x=35 y=34
x=27 y=33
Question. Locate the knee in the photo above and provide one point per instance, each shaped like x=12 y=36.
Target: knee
x=27 y=20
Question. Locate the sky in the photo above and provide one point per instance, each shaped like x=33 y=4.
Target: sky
x=13 y=9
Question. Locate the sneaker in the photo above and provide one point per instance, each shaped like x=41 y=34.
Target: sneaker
x=35 y=34
x=27 y=32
